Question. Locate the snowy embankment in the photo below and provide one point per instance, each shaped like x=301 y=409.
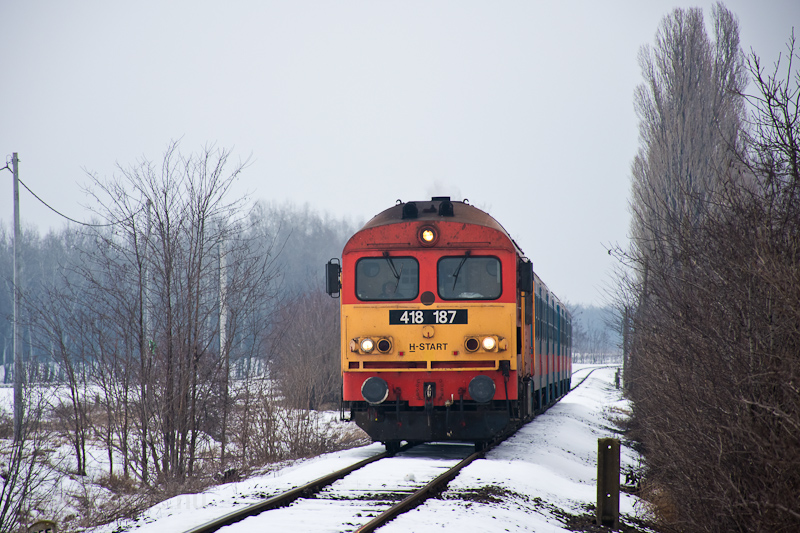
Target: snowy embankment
x=541 y=479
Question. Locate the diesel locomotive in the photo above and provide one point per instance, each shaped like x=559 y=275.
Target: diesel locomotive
x=446 y=331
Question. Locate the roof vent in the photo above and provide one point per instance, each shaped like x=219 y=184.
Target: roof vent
x=410 y=210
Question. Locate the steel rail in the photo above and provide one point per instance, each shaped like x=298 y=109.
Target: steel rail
x=434 y=487
x=417 y=497
x=589 y=374
x=288 y=497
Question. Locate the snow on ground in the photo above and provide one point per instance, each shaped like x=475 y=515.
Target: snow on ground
x=546 y=471
x=534 y=481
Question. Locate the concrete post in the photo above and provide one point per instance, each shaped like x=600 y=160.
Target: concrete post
x=18 y=411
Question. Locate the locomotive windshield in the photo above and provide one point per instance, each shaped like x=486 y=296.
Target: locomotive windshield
x=466 y=277
x=387 y=278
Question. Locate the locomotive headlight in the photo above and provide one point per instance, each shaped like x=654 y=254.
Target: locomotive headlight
x=367 y=345
x=427 y=236
x=486 y=343
x=489 y=343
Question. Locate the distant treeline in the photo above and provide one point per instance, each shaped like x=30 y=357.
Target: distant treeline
x=596 y=336
x=301 y=240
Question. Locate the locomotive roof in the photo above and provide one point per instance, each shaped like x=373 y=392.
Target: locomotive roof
x=430 y=210
x=433 y=210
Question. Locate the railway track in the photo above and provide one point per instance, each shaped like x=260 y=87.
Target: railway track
x=589 y=373
x=285 y=498
x=362 y=496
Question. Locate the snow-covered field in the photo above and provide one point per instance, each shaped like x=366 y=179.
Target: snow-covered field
x=537 y=480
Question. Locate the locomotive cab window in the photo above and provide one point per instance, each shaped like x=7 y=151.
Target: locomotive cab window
x=466 y=277
x=387 y=278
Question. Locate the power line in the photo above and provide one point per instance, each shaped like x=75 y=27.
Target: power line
x=72 y=219
x=65 y=216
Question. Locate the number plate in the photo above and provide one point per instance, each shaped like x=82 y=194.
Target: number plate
x=428 y=316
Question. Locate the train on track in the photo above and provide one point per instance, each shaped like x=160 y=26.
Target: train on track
x=446 y=331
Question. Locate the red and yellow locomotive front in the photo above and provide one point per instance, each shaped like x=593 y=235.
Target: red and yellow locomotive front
x=429 y=324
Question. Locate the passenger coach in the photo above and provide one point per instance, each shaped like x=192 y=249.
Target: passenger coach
x=447 y=334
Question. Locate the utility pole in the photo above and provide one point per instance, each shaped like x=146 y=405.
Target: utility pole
x=223 y=296
x=223 y=335
x=17 y=280
x=148 y=342
x=148 y=327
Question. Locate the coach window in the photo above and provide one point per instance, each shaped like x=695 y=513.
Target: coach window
x=387 y=278
x=559 y=338
x=548 y=310
x=539 y=321
x=467 y=277
x=538 y=325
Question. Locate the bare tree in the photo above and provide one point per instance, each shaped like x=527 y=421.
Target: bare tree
x=27 y=481
x=715 y=313
x=307 y=363
x=158 y=273
x=690 y=114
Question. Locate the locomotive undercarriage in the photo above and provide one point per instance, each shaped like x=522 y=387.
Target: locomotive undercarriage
x=398 y=421
x=394 y=422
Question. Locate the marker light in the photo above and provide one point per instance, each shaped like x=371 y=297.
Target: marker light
x=384 y=345
x=367 y=345
x=489 y=343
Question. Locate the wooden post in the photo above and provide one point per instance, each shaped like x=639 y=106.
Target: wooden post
x=608 y=482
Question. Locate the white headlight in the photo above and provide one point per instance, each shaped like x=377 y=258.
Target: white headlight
x=489 y=343
x=367 y=345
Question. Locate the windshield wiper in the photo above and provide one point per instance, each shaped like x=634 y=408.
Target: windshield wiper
x=455 y=274
x=395 y=272
x=396 y=283
x=391 y=265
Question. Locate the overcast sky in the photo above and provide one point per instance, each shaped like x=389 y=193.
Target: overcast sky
x=523 y=107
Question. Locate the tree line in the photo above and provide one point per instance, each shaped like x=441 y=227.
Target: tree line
x=184 y=332
x=709 y=290
x=595 y=334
